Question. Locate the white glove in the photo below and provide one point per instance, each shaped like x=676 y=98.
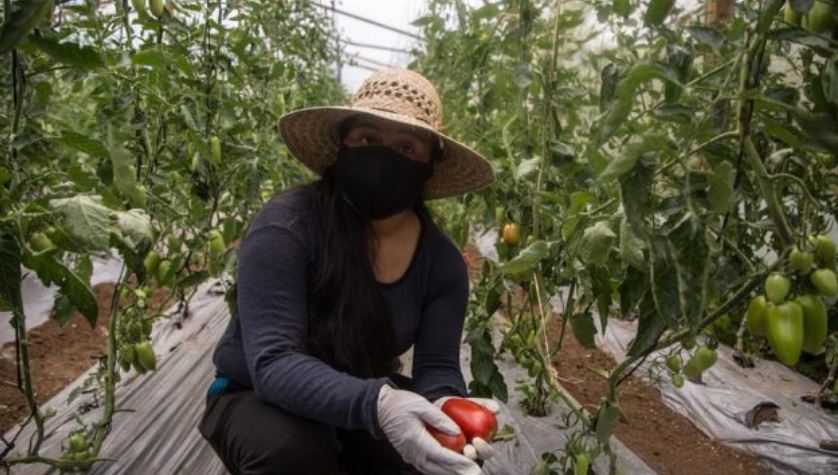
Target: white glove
x=402 y=416
x=478 y=448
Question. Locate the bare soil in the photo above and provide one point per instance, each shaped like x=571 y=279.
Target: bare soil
x=57 y=356
x=668 y=442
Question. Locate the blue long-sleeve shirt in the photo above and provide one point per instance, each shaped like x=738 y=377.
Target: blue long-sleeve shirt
x=264 y=344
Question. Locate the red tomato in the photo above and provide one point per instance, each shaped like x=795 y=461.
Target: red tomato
x=474 y=419
x=451 y=442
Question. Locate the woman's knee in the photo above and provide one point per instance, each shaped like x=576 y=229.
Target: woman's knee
x=257 y=438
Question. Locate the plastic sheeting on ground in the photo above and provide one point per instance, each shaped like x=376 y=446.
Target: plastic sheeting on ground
x=161 y=436
x=38 y=299
x=720 y=406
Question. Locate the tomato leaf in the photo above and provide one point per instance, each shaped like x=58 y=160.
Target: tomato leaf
x=82 y=57
x=86 y=218
x=768 y=15
x=527 y=259
x=584 y=329
x=657 y=11
x=632 y=289
x=650 y=327
x=665 y=292
x=596 y=243
x=83 y=143
x=631 y=246
x=691 y=251
x=627 y=160
x=50 y=270
x=134 y=229
x=23 y=20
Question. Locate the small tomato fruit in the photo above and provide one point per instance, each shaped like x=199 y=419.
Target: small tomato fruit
x=777 y=287
x=511 y=234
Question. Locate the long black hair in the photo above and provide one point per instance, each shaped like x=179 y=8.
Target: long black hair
x=349 y=322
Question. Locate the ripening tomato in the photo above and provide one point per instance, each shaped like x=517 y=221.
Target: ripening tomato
x=784 y=329
x=451 y=442
x=511 y=234
x=474 y=419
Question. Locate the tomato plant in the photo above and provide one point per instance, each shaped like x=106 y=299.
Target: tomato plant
x=670 y=171
x=145 y=130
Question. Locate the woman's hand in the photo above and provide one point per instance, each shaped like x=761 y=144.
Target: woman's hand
x=478 y=448
x=402 y=416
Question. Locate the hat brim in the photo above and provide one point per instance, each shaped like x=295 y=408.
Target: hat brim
x=312 y=136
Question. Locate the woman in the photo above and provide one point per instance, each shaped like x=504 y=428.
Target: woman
x=336 y=279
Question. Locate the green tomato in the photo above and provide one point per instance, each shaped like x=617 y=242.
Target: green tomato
x=801 y=261
x=39 y=242
x=138 y=5
x=165 y=272
x=815 y=323
x=81 y=456
x=704 y=358
x=126 y=356
x=581 y=463
x=825 y=281
x=756 y=315
x=678 y=380
x=784 y=329
x=78 y=442
x=215 y=150
x=216 y=242
x=151 y=261
x=819 y=19
x=145 y=356
x=156 y=7
x=673 y=363
x=824 y=251
x=688 y=343
x=500 y=216
x=777 y=287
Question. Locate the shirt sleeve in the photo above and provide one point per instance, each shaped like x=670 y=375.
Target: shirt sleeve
x=436 y=352
x=271 y=306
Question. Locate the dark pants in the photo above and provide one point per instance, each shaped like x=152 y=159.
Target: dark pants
x=254 y=437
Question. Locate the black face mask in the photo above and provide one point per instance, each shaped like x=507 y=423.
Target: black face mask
x=377 y=181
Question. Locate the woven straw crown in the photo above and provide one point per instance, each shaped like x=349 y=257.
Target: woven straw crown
x=397 y=95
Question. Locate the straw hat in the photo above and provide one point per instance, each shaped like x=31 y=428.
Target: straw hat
x=398 y=95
